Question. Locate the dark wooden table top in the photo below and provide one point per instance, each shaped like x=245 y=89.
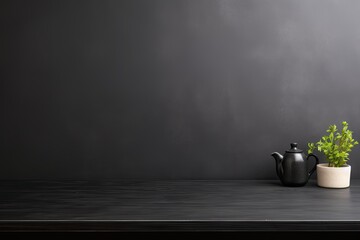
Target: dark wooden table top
x=175 y=205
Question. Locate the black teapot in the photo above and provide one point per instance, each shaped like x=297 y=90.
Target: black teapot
x=292 y=168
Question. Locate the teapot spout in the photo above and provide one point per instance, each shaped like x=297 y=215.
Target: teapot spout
x=278 y=159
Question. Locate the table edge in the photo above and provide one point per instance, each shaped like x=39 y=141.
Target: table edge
x=176 y=225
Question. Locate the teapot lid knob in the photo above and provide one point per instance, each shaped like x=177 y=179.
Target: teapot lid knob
x=294 y=148
x=293 y=145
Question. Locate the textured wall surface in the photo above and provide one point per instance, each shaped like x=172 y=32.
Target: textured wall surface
x=193 y=89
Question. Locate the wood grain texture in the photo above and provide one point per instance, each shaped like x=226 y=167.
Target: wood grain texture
x=175 y=206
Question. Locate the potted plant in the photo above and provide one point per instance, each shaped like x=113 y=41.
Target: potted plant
x=336 y=147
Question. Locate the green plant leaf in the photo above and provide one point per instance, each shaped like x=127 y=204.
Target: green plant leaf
x=336 y=145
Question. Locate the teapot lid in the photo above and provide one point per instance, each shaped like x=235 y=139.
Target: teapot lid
x=294 y=149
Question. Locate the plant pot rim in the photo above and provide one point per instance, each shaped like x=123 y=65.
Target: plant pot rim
x=325 y=165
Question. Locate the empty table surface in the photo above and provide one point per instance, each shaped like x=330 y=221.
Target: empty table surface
x=139 y=205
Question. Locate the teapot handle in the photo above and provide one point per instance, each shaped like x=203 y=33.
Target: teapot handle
x=316 y=163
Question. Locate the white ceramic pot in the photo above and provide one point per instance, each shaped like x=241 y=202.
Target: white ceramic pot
x=333 y=177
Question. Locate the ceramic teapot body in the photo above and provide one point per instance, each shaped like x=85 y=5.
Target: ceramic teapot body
x=292 y=168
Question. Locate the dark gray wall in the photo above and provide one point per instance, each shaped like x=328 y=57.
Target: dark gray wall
x=172 y=88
